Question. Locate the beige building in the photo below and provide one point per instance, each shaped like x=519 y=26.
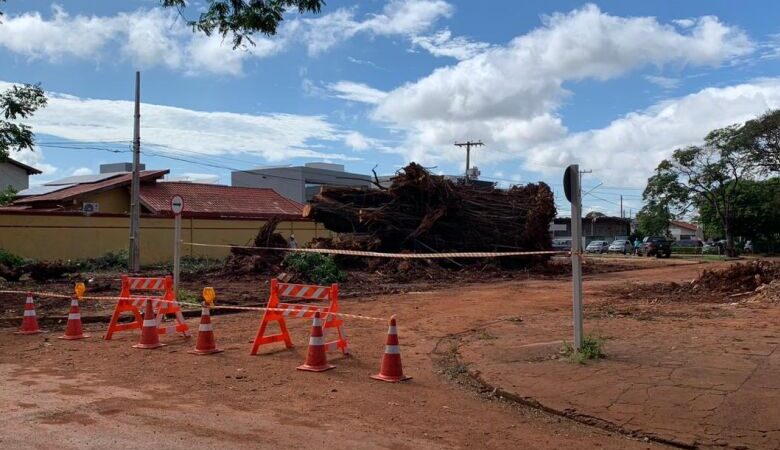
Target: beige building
x=89 y=218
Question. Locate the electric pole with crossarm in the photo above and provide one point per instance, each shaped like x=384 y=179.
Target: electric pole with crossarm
x=468 y=145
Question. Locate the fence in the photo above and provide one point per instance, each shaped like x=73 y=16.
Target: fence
x=75 y=236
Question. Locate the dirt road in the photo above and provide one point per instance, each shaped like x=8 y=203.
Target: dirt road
x=93 y=393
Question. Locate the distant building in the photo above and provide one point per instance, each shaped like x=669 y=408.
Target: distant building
x=596 y=229
x=299 y=183
x=15 y=174
x=684 y=230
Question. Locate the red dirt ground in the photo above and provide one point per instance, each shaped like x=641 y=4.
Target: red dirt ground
x=95 y=394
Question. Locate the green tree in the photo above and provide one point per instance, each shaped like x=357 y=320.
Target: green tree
x=7 y=195
x=712 y=174
x=242 y=18
x=18 y=102
x=756 y=213
x=653 y=220
x=762 y=137
x=594 y=215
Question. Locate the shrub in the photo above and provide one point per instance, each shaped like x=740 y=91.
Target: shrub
x=10 y=260
x=314 y=267
x=110 y=261
x=592 y=348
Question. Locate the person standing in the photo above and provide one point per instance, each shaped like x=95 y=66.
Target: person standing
x=292 y=242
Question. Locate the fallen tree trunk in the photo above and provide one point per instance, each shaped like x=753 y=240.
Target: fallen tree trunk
x=421 y=211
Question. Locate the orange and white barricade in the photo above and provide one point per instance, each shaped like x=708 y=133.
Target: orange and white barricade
x=277 y=312
x=164 y=303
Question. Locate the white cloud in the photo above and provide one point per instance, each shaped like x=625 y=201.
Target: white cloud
x=398 y=17
x=357 y=141
x=195 y=177
x=524 y=79
x=663 y=82
x=627 y=150
x=82 y=171
x=145 y=38
x=684 y=23
x=508 y=96
x=356 y=92
x=165 y=129
x=443 y=44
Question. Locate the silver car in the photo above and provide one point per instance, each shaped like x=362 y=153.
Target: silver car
x=620 y=246
x=597 y=247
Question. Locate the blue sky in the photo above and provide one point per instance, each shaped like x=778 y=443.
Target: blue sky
x=614 y=86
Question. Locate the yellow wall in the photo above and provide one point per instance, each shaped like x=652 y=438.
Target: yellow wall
x=79 y=237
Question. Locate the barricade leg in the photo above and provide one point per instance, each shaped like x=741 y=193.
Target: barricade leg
x=261 y=338
x=341 y=342
x=114 y=325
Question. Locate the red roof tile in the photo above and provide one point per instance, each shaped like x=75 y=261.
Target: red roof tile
x=91 y=188
x=210 y=200
x=685 y=225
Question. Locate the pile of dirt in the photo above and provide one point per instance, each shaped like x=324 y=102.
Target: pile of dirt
x=739 y=282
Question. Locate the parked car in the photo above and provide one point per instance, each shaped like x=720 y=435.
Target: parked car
x=620 y=246
x=656 y=246
x=688 y=243
x=597 y=247
x=561 y=244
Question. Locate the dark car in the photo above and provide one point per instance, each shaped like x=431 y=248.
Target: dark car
x=656 y=246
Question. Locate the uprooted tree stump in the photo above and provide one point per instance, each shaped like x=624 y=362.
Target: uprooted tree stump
x=428 y=213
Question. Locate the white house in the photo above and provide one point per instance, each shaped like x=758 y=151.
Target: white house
x=684 y=230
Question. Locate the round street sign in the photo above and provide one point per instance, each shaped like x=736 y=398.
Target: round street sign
x=177 y=204
x=567 y=182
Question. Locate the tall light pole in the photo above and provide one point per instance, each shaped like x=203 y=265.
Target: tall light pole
x=468 y=145
x=135 y=186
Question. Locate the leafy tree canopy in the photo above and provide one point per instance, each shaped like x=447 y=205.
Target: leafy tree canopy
x=761 y=137
x=18 y=102
x=756 y=211
x=712 y=174
x=594 y=215
x=242 y=18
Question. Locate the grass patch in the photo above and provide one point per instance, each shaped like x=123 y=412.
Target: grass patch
x=592 y=348
x=483 y=335
x=186 y=296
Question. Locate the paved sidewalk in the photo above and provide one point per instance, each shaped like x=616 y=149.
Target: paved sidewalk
x=711 y=379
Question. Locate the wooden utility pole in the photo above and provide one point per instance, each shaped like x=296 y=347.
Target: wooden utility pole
x=135 y=186
x=621 y=207
x=468 y=145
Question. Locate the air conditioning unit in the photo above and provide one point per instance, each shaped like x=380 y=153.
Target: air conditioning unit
x=90 y=208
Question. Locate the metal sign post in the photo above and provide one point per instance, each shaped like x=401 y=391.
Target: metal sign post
x=571 y=182
x=177 y=206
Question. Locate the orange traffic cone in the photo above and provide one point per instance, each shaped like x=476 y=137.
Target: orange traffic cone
x=206 y=344
x=73 y=329
x=391 y=369
x=316 y=360
x=29 y=322
x=149 y=337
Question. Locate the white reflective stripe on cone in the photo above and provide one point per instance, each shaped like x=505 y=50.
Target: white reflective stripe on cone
x=316 y=341
x=203 y=312
x=392 y=330
x=29 y=300
x=317 y=322
x=74 y=302
x=205 y=327
x=392 y=349
x=150 y=323
x=74 y=316
x=29 y=312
